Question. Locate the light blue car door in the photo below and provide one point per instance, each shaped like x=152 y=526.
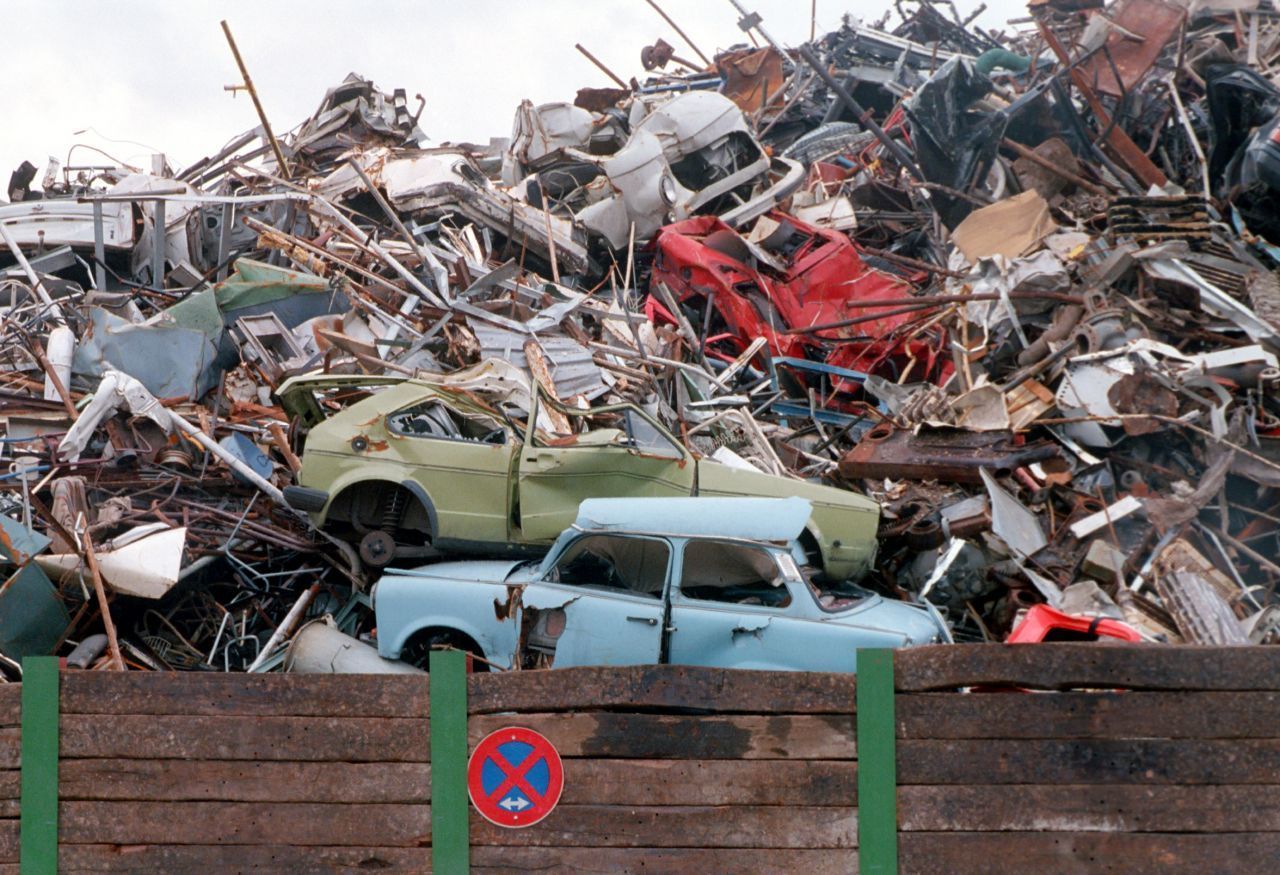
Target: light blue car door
x=737 y=607
x=601 y=602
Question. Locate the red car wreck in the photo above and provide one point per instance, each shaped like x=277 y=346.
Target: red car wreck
x=786 y=282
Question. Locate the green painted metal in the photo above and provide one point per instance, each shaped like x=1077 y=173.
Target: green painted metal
x=39 y=824
x=877 y=765
x=450 y=812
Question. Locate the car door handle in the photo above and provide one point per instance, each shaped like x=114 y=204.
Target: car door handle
x=652 y=621
x=545 y=461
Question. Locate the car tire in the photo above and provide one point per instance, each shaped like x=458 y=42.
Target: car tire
x=417 y=650
x=827 y=140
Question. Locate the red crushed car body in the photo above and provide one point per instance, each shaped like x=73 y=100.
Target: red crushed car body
x=825 y=280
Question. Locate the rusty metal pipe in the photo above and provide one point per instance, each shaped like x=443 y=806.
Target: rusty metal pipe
x=863 y=116
x=911 y=304
x=257 y=104
x=684 y=36
x=1064 y=322
x=601 y=67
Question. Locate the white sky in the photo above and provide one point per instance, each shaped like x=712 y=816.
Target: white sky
x=138 y=76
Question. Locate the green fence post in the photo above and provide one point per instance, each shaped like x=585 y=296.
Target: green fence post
x=447 y=700
x=877 y=765
x=38 y=842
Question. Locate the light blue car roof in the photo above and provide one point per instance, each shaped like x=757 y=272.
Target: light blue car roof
x=759 y=519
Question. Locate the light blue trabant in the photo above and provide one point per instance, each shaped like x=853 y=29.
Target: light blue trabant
x=691 y=581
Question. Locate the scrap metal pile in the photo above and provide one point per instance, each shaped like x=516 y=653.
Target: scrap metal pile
x=1018 y=287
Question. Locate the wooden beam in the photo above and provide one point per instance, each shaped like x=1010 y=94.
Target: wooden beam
x=665 y=736
x=1089 y=761
x=1089 y=666
x=1130 y=853
x=1086 y=807
x=1123 y=714
x=650 y=687
x=231 y=695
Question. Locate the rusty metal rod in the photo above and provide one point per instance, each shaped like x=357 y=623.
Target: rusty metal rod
x=684 y=36
x=863 y=116
x=257 y=104
x=37 y=350
x=600 y=64
x=91 y=559
x=928 y=303
x=911 y=262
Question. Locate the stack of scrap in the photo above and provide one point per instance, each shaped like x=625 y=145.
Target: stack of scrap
x=1018 y=290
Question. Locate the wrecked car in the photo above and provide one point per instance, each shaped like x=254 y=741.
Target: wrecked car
x=419 y=467
x=783 y=275
x=688 y=155
x=691 y=581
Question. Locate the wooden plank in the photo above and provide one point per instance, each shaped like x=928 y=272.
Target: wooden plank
x=660 y=826
x=1089 y=715
x=1076 y=853
x=1088 y=665
x=660 y=736
x=273 y=694
x=595 y=781
x=386 y=739
x=1089 y=761
x=1086 y=808
x=8 y=841
x=709 y=690
x=206 y=859
x=711 y=782
x=244 y=823
x=10 y=704
x=243 y=781
x=10 y=793
x=677 y=861
x=11 y=748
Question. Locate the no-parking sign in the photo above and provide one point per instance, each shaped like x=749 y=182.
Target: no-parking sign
x=514 y=777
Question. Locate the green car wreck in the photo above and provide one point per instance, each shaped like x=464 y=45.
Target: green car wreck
x=417 y=467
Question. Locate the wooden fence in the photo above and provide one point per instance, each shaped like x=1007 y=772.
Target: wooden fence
x=667 y=769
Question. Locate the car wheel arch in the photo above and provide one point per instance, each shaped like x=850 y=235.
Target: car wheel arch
x=424 y=635
x=415 y=490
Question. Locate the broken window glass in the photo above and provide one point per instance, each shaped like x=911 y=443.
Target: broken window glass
x=432 y=419
x=723 y=571
x=616 y=562
x=642 y=435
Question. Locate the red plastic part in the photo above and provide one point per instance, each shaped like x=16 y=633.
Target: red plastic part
x=1045 y=623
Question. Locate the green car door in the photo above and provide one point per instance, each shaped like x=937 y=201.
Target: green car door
x=638 y=458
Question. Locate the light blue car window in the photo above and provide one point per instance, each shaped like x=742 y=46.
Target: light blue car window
x=727 y=572
x=618 y=562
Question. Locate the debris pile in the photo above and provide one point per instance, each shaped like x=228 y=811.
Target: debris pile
x=1019 y=288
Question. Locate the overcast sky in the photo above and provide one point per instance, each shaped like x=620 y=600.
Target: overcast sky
x=136 y=77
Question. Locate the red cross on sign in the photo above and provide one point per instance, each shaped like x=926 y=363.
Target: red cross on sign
x=514 y=777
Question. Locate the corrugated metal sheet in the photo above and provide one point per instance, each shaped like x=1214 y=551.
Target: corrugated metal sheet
x=572 y=367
